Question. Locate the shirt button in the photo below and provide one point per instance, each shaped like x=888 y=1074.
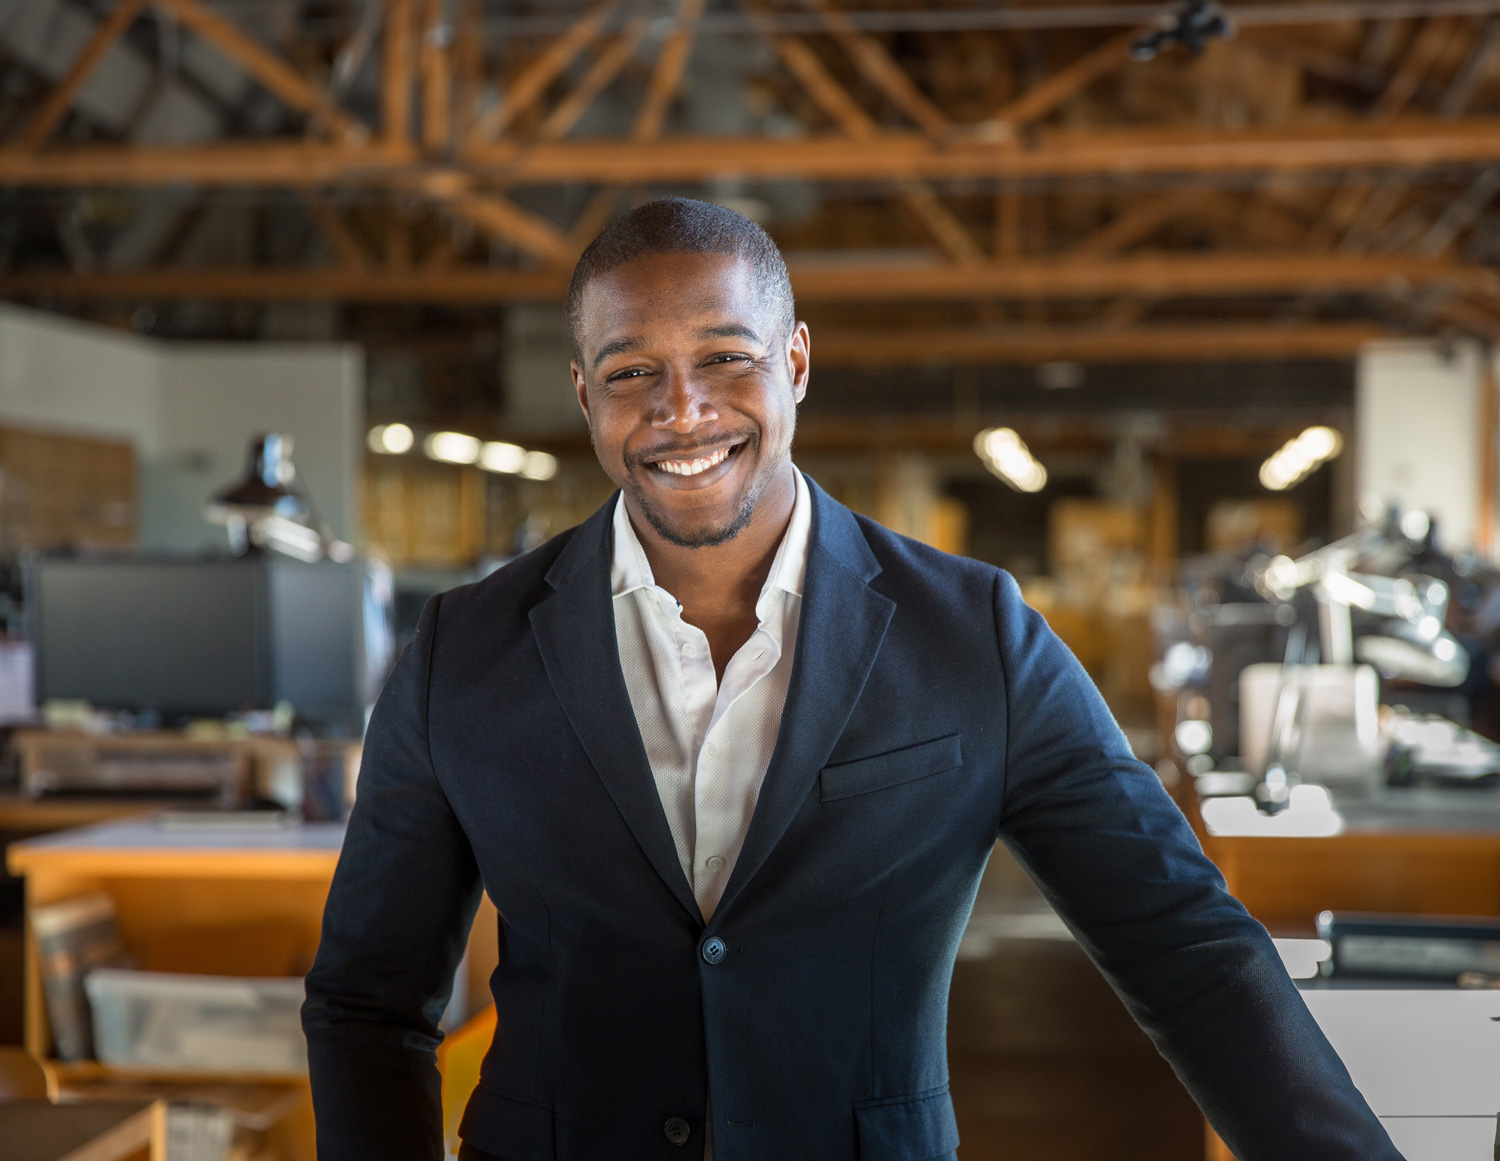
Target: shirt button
x=713 y=950
x=690 y=649
x=711 y=750
x=714 y=863
x=677 y=1130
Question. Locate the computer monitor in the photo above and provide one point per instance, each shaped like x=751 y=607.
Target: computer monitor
x=186 y=637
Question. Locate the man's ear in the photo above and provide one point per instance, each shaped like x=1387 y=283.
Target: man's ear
x=581 y=388
x=799 y=355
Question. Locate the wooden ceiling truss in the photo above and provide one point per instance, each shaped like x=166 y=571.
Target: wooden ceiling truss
x=1065 y=199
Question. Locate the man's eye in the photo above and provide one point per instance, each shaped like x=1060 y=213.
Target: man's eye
x=628 y=373
x=729 y=357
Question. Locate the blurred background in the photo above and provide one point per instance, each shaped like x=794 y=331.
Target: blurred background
x=1184 y=313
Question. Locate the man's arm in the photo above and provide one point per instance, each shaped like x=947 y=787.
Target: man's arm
x=1116 y=858
x=402 y=901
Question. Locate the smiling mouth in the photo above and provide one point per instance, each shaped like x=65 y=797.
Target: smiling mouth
x=697 y=466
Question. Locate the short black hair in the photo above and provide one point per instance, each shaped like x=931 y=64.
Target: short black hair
x=685 y=226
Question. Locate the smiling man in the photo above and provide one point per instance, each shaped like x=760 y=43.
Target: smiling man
x=730 y=760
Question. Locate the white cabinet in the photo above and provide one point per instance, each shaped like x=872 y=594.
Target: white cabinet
x=1427 y=1060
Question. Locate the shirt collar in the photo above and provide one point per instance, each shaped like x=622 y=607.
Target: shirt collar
x=630 y=570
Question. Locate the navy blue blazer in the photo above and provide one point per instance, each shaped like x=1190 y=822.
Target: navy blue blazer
x=930 y=713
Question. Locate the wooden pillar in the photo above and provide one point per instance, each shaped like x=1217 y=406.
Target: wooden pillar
x=1489 y=411
x=1164 y=518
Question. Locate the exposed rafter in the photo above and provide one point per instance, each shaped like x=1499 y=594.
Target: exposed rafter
x=1414 y=142
x=1227 y=170
x=1154 y=344
x=266 y=67
x=1145 y=275
x=528 y=86
x=60 y=99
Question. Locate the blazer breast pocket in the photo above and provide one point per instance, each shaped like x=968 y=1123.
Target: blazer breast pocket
x=892 y=768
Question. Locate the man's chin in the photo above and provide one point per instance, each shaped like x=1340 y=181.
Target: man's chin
x=697 y=530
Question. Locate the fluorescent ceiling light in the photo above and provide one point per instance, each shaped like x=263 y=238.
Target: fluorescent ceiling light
x=1006 y=455
x=1298 y=458
x=390 y=439
x=497 y=456
x=539 y=466
x=452 y=447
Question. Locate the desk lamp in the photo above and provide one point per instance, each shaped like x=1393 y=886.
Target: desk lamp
x=266 y=509
x=1400 y=631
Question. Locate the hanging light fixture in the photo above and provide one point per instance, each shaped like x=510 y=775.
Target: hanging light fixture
x=267 y=508
x=1298 y=458
x=1006 y=455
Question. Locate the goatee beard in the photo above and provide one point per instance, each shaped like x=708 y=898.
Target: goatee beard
x=700 y=538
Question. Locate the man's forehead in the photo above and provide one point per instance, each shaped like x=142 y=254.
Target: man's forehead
x=683 y=296
x=655 y=278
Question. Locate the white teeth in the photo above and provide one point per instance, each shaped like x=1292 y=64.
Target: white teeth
x=693 y=467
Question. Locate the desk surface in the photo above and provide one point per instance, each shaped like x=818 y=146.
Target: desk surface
x=140 y=846
x=1387 y=811
x=99 y=1131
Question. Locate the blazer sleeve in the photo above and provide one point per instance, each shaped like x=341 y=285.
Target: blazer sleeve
x=1115 y=856
x=394 y=929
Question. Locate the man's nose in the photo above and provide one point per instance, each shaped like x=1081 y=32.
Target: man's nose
x=682 y=402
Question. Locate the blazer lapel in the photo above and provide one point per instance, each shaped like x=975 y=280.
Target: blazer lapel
x=575 y=631
x=843 y=622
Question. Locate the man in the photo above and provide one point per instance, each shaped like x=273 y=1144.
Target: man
x=730 y=759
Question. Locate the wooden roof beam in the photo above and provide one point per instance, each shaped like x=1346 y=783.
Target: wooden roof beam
x=279 y=78
x=351 y=255
x=1068 y=82
x=1473 y=72
x=60 y=99
x=877 y=66
x=501 y=218
x=1423 y=54
x=1157 y=343
x=820 y=84
x=532 y=81
x=666 y=77
x=606 y=67
x=396 y=75
x=436 y=67
x=1156 y=276
x=1408 y=143
x=1142 y=219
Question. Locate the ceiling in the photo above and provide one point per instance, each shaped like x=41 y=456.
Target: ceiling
x=952 y=183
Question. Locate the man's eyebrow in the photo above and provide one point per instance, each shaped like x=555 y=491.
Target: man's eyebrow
x=728 y=331
x=617 y=347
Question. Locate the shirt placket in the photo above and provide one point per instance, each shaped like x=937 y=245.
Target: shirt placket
x=718 y=794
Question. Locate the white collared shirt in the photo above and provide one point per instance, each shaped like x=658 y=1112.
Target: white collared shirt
x=708 y=744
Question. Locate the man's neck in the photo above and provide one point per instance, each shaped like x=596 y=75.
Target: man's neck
x=718 y=586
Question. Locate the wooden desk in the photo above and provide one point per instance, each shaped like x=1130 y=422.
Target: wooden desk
x=166 y=882
x=106 y=1131
x=33 y=816
x=1425 y=852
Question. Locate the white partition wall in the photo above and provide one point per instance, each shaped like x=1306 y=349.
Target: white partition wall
x=63 y=375
x=216 y=396
x=1418 y=437
x=190 y=410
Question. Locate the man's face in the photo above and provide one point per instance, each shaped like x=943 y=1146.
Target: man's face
x=690 y=390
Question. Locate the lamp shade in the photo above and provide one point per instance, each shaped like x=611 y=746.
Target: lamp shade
x=268 y=487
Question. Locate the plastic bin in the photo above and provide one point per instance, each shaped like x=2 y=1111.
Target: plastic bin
x=189 y=1023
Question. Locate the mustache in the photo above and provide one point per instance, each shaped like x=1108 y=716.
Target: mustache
x=688 y=451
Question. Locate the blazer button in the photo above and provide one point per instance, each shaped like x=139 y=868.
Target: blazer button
x=677 y=1130
x=713 y=950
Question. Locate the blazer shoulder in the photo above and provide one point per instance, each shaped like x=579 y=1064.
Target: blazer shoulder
x=906 y=562
x=511 y=589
